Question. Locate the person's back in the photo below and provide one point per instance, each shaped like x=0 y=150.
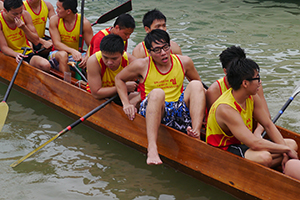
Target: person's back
x=154 y=19
x=123 y=26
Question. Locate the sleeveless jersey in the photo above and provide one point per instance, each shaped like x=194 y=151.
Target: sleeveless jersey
x=39 y=19
x=70 y=38
x=15 y=38
x=146 y=51
x=222 y=85
x=214 y=134
x=97 y=38
x=108 y=75
x=171 y=82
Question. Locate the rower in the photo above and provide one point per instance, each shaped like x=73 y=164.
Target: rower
x=64 y=30
x=123 y=26
x=229 y=124
x=220 y=86
x=1 y=5
x=15 y=31
x=39 y=11
x=104 y=65
x=164 y=99
x=154 y=19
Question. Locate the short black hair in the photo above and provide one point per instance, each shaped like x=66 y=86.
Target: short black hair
x=240 y=69
x=157 y=36
x=112 y=43
x=152 y=15
x=12 y=4
x=230 y=54
x=125 y=21
x=69 y=4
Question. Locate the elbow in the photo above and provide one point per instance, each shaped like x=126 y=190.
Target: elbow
x=255 y=145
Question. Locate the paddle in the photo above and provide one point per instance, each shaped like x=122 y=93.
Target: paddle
x=68 y=128
x=123 y=8
x=287 y=103
x=78 y=71
x=3 y=105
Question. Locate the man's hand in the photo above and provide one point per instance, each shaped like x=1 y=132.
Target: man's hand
x=292 y=154
x=76 y=55
x=19 y=22
x=47 y=44
x=19 y=56
x=131 y=86
x=130 y=111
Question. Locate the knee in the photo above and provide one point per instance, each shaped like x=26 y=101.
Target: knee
x=292 y=144
x=292 y=168
x=265 y=158
x=61 y=55
x=195 y=85
x=156 y=95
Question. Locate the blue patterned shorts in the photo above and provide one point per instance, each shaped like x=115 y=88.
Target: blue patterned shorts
x=54 y=63
x=176 y=115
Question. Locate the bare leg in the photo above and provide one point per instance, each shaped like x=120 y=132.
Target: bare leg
x=292 y=168
x=261 y=157
x=194 y=97
x=155 y=107
x=40 y=62
x=62 y=58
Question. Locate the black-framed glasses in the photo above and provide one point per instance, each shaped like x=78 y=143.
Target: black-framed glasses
x=252 y=79
x=166 y=47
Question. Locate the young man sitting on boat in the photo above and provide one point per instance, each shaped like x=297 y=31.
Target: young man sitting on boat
x=39 y=11
x=64 y=30
x=164 y=99
x=123 y=26
x=229 y=125
x=220 y=86
x=15 y=31
x=104 y=65
x=154 y=19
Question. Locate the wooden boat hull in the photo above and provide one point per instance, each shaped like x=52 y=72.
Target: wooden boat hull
x=241 y=178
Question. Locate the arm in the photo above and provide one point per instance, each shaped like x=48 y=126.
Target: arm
x=189 y=68
x=95 y=81
x=138 y=51
x=175 y=48
x=136 y=70
x=51 y=10
x=87 y=35
x=212 y=94
x=28 y=28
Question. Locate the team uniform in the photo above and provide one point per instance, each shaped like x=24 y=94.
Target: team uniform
x=108 y=75
x=97 y=38
x=222 y=85
x=15 y=38
x=69 y=38
x=215 y=136
x=176 y=112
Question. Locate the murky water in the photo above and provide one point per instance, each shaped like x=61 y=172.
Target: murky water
x=84 y=164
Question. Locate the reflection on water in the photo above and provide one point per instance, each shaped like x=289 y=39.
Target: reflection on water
x=84 y=164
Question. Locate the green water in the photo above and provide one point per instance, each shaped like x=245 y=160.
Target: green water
x=84 y=164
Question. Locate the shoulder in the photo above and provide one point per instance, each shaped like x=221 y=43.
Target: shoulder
x=175 y=48
x=54 y=19
x=26 y=16
x=138 y=51
x=185 y=60
x=214 y=88
x=131 y=58
x=92 y=62
x=49 y=5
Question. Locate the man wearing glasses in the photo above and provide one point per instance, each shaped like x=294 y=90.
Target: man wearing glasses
x=230 y=120
x=164 y=99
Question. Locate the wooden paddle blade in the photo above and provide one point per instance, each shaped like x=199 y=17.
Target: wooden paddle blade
x=3 y=113
x=125 y=7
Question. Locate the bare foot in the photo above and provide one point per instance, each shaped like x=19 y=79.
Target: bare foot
x=153 y=157
x=192 y=132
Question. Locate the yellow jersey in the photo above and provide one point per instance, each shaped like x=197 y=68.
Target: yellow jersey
x=222 y=85
x=39 y=19
x=215 y=136
x=70 y=37
x=15 y=38
x=171 y=82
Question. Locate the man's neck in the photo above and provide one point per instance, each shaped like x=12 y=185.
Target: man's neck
x=240 y=96
x=70 y=19
x=34 y=5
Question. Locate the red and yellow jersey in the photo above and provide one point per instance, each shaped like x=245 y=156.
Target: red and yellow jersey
x=39 y=19
x=222 y=85
x=70 y=38
x=171 y=82
x=15 y=38
x=215 y=136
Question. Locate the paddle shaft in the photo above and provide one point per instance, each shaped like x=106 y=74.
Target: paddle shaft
x=81 y=27
x=287 y=103
x=15 y=75
x=68 y=128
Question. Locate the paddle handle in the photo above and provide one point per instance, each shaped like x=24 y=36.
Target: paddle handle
x=81 y=27
x=287 y=103
x=15 y=75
